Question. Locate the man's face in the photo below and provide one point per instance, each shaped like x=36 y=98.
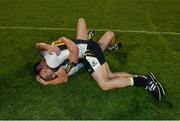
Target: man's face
x=46 y=73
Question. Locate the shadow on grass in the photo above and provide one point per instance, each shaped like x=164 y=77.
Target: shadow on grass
x=123 y=53
x=24 y=71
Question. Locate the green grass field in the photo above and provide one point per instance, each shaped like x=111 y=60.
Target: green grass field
x=21 y=97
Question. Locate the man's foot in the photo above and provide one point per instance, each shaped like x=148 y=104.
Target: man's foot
x=115 y=47
x=91 y=34
x=158 y=83
x=153 y=87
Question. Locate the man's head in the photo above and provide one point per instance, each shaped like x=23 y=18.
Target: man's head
x=45 y=72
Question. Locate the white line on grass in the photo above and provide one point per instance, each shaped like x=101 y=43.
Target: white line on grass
x=100 y=30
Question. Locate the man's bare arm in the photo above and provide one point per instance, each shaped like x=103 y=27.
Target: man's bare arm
x=61 y=78
x=41 y=46
x=55 y=81
x=74 y=50
x=49 y=48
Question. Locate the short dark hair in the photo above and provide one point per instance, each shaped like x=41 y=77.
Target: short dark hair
x=37 y=68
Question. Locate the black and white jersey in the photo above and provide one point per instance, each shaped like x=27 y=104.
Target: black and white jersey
x=53 y=60
x=90 y=54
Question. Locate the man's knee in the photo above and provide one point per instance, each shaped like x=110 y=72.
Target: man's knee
x=104 y=86
x=110 y=33
x=81 y=20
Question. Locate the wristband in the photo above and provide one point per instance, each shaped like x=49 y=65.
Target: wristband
x=69 y=67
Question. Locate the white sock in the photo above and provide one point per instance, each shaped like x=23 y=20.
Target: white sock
x=131 y=81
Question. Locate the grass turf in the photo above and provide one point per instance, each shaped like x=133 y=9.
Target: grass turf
x=21 y=97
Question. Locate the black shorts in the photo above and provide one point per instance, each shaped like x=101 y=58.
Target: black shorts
x=94 y=57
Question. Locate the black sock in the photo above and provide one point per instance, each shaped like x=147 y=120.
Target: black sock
x=140 y=81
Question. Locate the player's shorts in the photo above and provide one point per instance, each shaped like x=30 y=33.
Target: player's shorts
x=94 y=57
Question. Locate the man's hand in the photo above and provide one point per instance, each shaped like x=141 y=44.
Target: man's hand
x=40 y=80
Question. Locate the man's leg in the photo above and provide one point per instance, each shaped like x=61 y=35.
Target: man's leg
x=114 y=74
x=108 y=39
x=102 y=78
x=81 y=29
